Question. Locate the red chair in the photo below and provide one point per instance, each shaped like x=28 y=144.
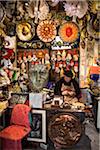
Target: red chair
x=19 y=127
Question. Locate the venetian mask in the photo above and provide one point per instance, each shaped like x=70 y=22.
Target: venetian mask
x=53 y=57
x=38 y=77
x=34 y=58
x=10 y=42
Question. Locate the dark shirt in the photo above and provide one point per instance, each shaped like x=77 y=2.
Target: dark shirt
x=58 y=85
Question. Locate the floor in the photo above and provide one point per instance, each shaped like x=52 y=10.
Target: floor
x=93 y=135
x=89 y=141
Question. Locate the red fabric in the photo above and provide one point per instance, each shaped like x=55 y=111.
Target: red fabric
x=19 y=128
x=11 y=145
x=9 y=53
x=27 y=102
x=20 y=115
x=14 y=132
x=94 y=70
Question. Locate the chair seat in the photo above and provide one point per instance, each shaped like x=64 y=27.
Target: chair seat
x=14 y=132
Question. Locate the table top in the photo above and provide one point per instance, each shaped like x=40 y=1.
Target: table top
x=49 y=107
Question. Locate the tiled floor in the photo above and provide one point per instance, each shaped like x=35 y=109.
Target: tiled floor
x=89 y=141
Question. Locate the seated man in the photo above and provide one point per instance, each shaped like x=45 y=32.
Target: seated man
x=68 y=87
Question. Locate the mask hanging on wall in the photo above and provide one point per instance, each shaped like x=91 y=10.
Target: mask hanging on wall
x=38 y=77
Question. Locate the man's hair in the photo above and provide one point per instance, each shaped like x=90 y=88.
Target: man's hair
x=68 y=73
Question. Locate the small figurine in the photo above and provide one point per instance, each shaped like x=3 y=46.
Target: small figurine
x=19 y=59
x=47 y=58
x=47 y=62
x=72 y=63
x=23 y=68
x=16 y=88
x=76 y=67
x=59 y=57
x=6 y=63
x=64 y=64
x=60 y=64
x=53 y=57
x=34 y=58
x=69 y=57
x=61 y=72
x=30 y=56
x=63 y=55
x=4 y=77
x=40 y=56
x=23 y=82
x=57 y=70
x=24 y=57
x=75 y=57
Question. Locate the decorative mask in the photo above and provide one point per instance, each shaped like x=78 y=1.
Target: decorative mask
x=2 y=13
x=78 y=8
x=30 y=56
x=25 y=57
x=69 y=57
x=53 y=57
x=10 y=42
x=63 y=55
x=76 y=67
x=59 y=56
x=34 y=58
x=47 y=58
x=38 y=76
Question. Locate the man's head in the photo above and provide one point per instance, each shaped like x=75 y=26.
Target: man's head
x=68 y=75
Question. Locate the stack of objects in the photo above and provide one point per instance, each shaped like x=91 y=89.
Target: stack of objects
x=3 y=101
x=3 y=105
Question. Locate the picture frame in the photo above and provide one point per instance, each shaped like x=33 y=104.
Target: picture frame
x=18 y=98
x=36 y=100
x=38 y=125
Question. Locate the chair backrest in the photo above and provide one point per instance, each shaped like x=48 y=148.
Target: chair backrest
x=20 y=115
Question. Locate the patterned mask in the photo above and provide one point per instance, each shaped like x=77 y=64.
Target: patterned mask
x=38 y=76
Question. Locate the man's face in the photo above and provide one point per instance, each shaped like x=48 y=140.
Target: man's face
x=67 y=79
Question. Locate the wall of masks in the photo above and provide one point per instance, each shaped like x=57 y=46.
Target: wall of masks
x=47 y=33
